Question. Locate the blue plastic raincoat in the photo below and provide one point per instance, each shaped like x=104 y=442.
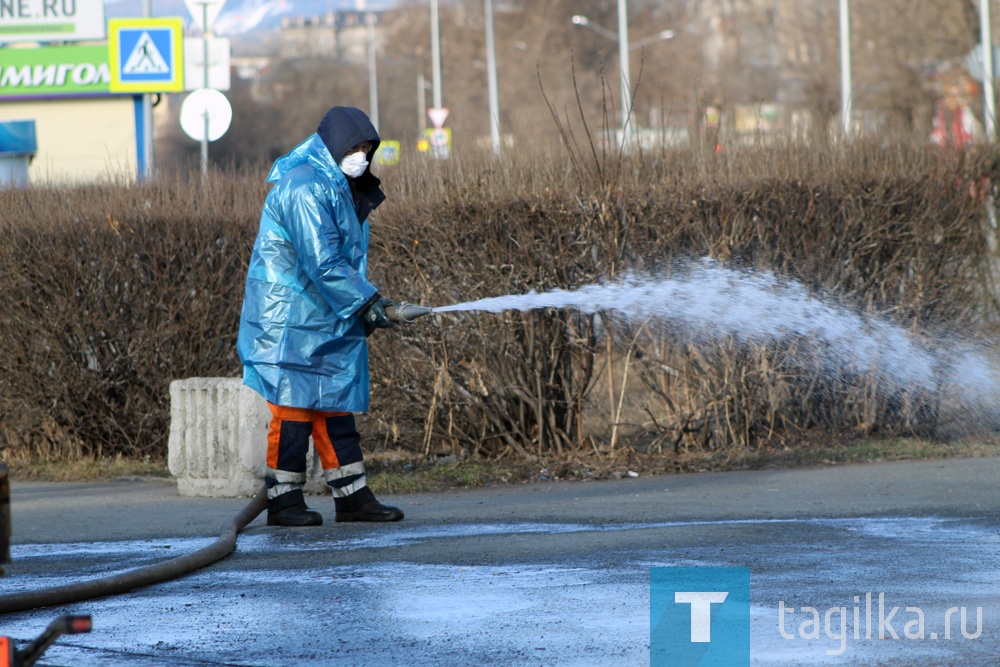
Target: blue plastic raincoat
x=301 y=339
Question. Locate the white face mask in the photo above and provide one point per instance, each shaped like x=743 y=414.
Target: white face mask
x=354 y=165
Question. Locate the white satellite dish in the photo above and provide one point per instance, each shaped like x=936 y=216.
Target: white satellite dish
x=194 y=108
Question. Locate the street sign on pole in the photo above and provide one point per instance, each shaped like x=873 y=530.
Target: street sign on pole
x=204 y=10
x=202 y=104
x=438 y=116
x=218 y=63
x=438 y=143
x=388 y=153
x=145 y=55
x=205 y=116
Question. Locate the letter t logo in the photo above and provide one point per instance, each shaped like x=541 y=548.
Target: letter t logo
x=701 y=611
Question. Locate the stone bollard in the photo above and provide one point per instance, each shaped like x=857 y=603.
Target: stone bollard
x=218 y=439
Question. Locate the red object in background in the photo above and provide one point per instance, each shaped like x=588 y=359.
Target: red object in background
x=952 y=125
x=6 y=652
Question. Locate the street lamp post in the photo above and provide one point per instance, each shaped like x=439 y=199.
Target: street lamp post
x=623 y=49
x=652 y=39
x=580 y=19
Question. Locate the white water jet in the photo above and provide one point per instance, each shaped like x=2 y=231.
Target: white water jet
x=710 y=301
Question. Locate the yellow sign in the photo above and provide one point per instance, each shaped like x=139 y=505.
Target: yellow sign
x=438 y=142
x=423 y=145
x=388 y=153
x=146 y=55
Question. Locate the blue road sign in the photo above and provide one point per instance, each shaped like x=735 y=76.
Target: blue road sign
x=146 y=55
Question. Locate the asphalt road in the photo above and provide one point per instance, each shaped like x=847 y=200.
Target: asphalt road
x=540 y=574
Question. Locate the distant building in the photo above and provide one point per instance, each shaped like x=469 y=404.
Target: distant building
x=340 y=36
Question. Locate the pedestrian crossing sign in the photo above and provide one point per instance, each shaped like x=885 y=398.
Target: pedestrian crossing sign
x=146 y=55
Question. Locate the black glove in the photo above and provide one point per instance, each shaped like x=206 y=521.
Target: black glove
x=374 y=316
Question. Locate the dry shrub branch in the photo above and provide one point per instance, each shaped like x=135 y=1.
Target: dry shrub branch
x=115 y=290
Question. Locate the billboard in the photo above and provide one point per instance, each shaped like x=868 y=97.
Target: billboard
x=55 y=71
x=51 y=20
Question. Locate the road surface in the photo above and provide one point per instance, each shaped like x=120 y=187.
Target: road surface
x=537 y=574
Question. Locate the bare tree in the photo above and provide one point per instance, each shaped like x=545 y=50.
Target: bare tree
x=723 y=53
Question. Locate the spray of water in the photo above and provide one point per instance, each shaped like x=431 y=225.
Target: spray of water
x=707 y=300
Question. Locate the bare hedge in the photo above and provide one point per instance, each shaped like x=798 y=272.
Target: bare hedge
x=115 y=290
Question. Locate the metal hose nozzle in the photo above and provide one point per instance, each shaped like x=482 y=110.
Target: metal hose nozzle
x=407 y=312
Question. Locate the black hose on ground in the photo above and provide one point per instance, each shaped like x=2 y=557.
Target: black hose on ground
x=141 y=576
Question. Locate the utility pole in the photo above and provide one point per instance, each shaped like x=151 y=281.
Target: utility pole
x=421 y=99
x=435 y=55
x=372 y=71
x=624 y=62
x=989 y=102
x=491 y=70
x=204 y=41
x=990 y=123
x=845 y=67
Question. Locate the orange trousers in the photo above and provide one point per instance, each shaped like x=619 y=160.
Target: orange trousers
x=337 y=442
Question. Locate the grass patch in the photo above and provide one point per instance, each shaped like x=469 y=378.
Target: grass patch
x=423 y=476
x=85 y=470
x=399 y=473
x=868 y=451
x=429 y=477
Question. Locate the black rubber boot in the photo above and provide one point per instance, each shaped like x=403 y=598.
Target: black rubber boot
x=289 y=509
x=362 y=506
x=373 y=510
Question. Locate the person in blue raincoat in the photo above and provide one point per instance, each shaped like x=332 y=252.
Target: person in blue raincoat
x=307 y=312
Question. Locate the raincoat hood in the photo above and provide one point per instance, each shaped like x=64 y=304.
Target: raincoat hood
x=341 y=129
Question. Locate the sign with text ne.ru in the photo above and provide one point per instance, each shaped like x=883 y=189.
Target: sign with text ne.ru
x=51 y=20
x=55 y=71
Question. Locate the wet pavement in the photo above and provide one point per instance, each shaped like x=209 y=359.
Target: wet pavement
x=539 y=574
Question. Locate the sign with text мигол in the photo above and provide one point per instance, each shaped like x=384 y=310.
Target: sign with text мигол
x=55 y=71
